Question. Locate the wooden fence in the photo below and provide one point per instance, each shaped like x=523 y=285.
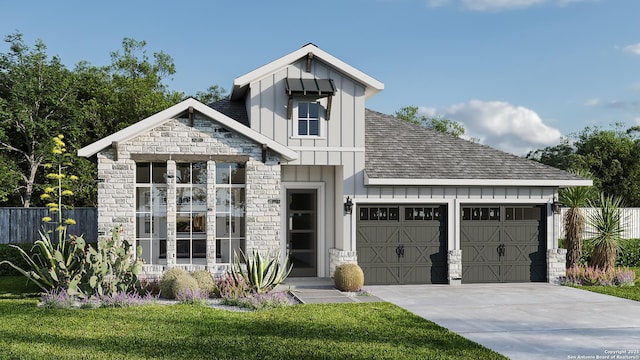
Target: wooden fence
x=22 y=225
x=631 y=217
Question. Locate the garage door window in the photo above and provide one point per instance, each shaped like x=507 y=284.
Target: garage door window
x=422 y=213
x=519 y=214
x=481 y=214
x=379 y=213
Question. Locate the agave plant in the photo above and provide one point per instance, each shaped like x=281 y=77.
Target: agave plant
x=260 y=274
x=609 y=225
x=575 y=198
x=52 y=264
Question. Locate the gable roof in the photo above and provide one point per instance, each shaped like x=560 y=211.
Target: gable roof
x=400 y=153
x=163 y=116
x=372 y=86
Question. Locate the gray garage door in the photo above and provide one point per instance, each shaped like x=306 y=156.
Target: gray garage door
x=503 y=244
x=402 y=244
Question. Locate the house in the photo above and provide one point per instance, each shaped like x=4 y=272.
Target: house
x=292 y=161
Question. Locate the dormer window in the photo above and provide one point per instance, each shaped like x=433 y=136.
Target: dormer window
x=309 y=115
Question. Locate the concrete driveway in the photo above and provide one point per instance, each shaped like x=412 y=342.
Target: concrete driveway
x=528 y=321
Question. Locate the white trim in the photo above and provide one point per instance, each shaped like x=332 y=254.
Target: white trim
x=325 y=148
x=321 y=208
x=168 y=114
x=373 y=86
x=473 y=182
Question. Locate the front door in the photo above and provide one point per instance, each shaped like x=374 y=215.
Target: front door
x=302 y=223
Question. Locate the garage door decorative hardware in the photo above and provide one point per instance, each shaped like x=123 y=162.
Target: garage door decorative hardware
x=400 y=251
x=501 y=250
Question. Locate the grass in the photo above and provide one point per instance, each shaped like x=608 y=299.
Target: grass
x=327 y=331
x=625 y=292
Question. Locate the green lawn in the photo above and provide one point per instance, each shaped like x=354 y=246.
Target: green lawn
x=626 y=292
x=336 y=331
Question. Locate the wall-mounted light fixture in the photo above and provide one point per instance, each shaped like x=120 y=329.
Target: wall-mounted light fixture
x=348 y=206
x=556 y=206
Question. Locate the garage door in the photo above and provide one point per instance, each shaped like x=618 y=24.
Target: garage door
x=402 y=244
x=503 y=244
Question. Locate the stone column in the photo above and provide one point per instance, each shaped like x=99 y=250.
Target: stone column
x=171 y=213
x=556 y=265
x=454 y=261
x=338 y=257
x=211 y=215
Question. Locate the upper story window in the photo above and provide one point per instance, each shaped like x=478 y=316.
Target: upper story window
x=309 y=116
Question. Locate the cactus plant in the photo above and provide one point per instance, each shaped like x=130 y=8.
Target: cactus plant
x=205 y=281
x=348 y=277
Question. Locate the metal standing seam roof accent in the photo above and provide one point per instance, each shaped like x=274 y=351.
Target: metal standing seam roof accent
x=309 y=87
x=397 y=149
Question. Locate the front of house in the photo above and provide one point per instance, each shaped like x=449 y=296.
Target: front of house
x=293 y=162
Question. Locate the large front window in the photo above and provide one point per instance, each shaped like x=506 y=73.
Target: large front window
x=191 y=212
x=230 y=210
x=151 y=211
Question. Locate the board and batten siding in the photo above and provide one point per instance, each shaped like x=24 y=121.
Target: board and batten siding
x=331 y=176
x=342 y=135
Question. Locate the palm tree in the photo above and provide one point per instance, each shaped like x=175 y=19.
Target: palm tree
x=575 y=198
x=609 y=225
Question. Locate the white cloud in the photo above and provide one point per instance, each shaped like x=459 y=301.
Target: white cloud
x=632 y=49
x=592 y=102
x=638 y=120
x=501 y=125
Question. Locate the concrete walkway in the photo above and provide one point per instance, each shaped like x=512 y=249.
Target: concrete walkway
x=528 y=321
x=321 y=291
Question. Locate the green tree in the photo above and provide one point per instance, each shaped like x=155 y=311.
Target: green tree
x=609 y=225
x=37 y=95
x=410 y=114
x=212 y=94
x=575 y=198
x=612 y=157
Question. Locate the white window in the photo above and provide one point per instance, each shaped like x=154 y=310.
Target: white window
x=151 y=211
x=191 y=214
x=230 y=210
x=309 y=117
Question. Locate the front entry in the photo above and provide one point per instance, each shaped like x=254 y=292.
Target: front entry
x=302 y=231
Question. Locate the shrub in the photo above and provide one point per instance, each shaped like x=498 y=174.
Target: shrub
x=589 y=276
x=348 y=277
x=205 y=281
x=185 y=287
x=149 y=287
x=629 y=255
x=167 y=282
x=261 y=301
x=227 y=287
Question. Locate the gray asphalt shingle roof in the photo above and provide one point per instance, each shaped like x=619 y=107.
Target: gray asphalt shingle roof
x=397 y=149
x=233 y=109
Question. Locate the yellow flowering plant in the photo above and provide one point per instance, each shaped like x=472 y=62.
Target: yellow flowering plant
x=59 y=189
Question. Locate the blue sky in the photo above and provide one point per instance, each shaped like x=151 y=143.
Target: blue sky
x=517 y=73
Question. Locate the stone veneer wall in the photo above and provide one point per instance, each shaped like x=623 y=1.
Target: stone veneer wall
x=116 y=188
x=556 y=265
x=339 y=257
